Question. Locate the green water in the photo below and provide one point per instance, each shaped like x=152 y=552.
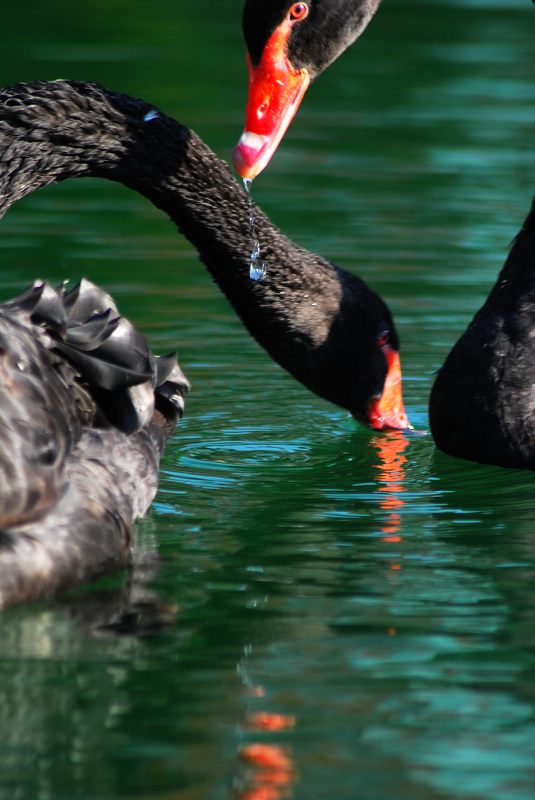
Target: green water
x=381 y=594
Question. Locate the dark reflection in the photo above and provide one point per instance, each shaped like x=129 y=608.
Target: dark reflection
x=498 y=497
x=497 y=508
x=132 y=610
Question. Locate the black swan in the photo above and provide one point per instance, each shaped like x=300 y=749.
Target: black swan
x=288 y=45
x=85 y=411
x=482 y=404
x=322 y=324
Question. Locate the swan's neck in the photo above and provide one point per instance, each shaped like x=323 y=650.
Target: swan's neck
x=514 y=291
x=53 y=131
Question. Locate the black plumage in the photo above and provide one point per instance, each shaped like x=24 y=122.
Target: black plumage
x=482 y=404
x=85 y=411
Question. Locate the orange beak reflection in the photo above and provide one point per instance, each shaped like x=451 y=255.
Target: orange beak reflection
x=387 y=411
x=275 y=92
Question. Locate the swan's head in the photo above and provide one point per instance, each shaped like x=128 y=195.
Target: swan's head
x=357 y=366
x=288 y=45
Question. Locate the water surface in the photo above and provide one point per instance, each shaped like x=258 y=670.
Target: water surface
x=379 y=593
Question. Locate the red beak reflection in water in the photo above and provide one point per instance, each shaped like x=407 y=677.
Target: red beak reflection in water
x=387 y=412
x=276 y=89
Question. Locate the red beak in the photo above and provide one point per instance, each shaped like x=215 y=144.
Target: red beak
x=275 y=92
x=387 y=411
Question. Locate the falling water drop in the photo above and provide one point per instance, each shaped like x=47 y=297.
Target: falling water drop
x=257 y=267
x=257 y=270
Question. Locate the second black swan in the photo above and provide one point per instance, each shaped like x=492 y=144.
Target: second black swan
x=482 y=404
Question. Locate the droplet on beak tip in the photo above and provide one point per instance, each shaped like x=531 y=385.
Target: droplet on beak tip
x=249 y=157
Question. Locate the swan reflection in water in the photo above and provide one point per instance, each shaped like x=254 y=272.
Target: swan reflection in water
x=391 y=476
x=266 y=769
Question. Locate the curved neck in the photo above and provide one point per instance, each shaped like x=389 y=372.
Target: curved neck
x=50 y=131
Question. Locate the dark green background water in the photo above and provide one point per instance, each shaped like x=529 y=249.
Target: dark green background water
x=380 y=593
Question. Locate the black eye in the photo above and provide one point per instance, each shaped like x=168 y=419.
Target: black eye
x=298 y=11
x=382 y=339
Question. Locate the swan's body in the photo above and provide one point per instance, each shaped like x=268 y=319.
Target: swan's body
x=482 y=405
x=85 y=410
x=322 y=324
x=288 y=45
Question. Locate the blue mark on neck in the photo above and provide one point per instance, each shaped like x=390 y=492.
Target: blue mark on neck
x=150 y=115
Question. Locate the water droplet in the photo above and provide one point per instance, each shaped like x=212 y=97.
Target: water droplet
x=257 y=270
x=257 y=267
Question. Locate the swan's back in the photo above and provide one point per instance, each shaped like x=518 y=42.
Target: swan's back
x=85 y=410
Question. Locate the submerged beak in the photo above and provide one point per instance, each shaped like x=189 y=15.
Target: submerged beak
x=275 y=92
x=387 y=411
